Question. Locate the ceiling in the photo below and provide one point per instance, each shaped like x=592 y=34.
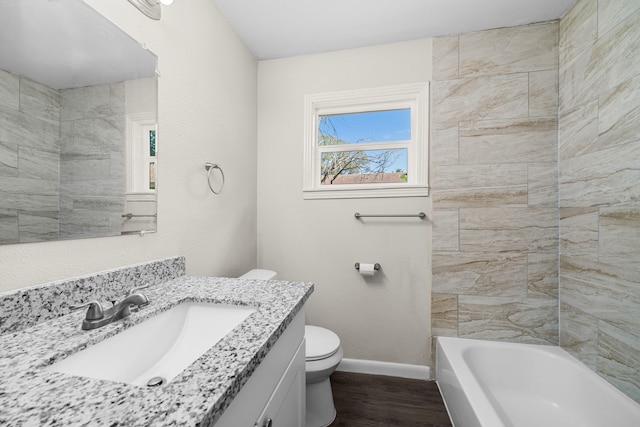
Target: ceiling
x=66 y=43
x=282 y=28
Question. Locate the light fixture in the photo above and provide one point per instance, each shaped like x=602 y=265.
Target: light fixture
x=151 y=8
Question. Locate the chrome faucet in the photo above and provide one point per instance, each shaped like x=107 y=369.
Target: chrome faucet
x=97 y=316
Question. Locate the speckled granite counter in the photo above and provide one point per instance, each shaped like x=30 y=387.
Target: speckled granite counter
x=32 y=396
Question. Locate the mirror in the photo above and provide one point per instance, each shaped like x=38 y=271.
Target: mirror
x=78 y=119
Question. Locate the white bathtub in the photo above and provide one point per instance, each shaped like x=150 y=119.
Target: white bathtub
x=495 y=384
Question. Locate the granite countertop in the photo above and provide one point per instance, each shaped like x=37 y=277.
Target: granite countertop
x=32 y=396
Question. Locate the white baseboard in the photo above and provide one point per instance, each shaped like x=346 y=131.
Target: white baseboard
x=373 y=367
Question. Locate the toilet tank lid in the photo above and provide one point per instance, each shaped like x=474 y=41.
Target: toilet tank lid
x=320 y=342
x=259 y=274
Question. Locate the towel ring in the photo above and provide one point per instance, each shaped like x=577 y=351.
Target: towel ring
x=209 y=167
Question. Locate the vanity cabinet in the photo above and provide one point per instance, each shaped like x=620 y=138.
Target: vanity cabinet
x=253 y=376
x=274 y=395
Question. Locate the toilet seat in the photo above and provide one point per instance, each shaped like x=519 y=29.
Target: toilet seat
x=321 y=343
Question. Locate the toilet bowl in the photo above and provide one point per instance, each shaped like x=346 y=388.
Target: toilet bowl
x=323 y=353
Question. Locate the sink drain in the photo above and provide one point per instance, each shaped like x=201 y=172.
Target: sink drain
x=155 y=382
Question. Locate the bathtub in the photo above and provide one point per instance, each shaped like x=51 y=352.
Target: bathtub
x=495 y=384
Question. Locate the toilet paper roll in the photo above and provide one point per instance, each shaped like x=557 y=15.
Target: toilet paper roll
x=367 y=269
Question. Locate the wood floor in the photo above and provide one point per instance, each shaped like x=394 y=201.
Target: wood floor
x=373 y=400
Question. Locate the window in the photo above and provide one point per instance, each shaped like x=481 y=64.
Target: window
x=150 y=157
x=141 y=153
x=367 y=143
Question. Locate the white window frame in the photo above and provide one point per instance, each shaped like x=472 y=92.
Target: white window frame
x=138 y=158
x=414 y=96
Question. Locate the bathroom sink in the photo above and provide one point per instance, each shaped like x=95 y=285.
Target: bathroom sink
x=158 y=349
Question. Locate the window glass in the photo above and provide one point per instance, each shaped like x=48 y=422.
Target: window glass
x=364 y=127
x=152 y=143
x=364 y=167
x=152 y=176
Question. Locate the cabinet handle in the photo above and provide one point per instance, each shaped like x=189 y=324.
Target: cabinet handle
x=268 y=423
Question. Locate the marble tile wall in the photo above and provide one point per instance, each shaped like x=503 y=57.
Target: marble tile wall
x=494 y=184
x=599 y=188
x=56 y=147
x=29 y=160
x=92 y=161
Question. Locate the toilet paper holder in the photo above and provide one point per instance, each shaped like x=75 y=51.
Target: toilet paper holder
x=376 y=266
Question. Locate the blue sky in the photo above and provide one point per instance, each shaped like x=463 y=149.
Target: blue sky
x=376 y=126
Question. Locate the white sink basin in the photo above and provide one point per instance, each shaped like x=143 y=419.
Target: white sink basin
x=161 y=346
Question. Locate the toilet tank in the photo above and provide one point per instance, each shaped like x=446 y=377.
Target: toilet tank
x=259 y=274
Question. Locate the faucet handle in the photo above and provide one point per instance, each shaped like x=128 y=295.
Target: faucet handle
x=95 y=311
x=136 y=289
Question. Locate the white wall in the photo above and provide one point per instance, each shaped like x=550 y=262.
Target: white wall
x=140 y=96
x=207 y=112
x=384 y=319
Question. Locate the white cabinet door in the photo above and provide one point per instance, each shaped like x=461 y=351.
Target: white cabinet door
x=286 y=407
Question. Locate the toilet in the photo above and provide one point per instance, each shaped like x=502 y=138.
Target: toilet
x=323 y=354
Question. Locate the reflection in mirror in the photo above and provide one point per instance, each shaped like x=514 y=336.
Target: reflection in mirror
x=78 y=119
